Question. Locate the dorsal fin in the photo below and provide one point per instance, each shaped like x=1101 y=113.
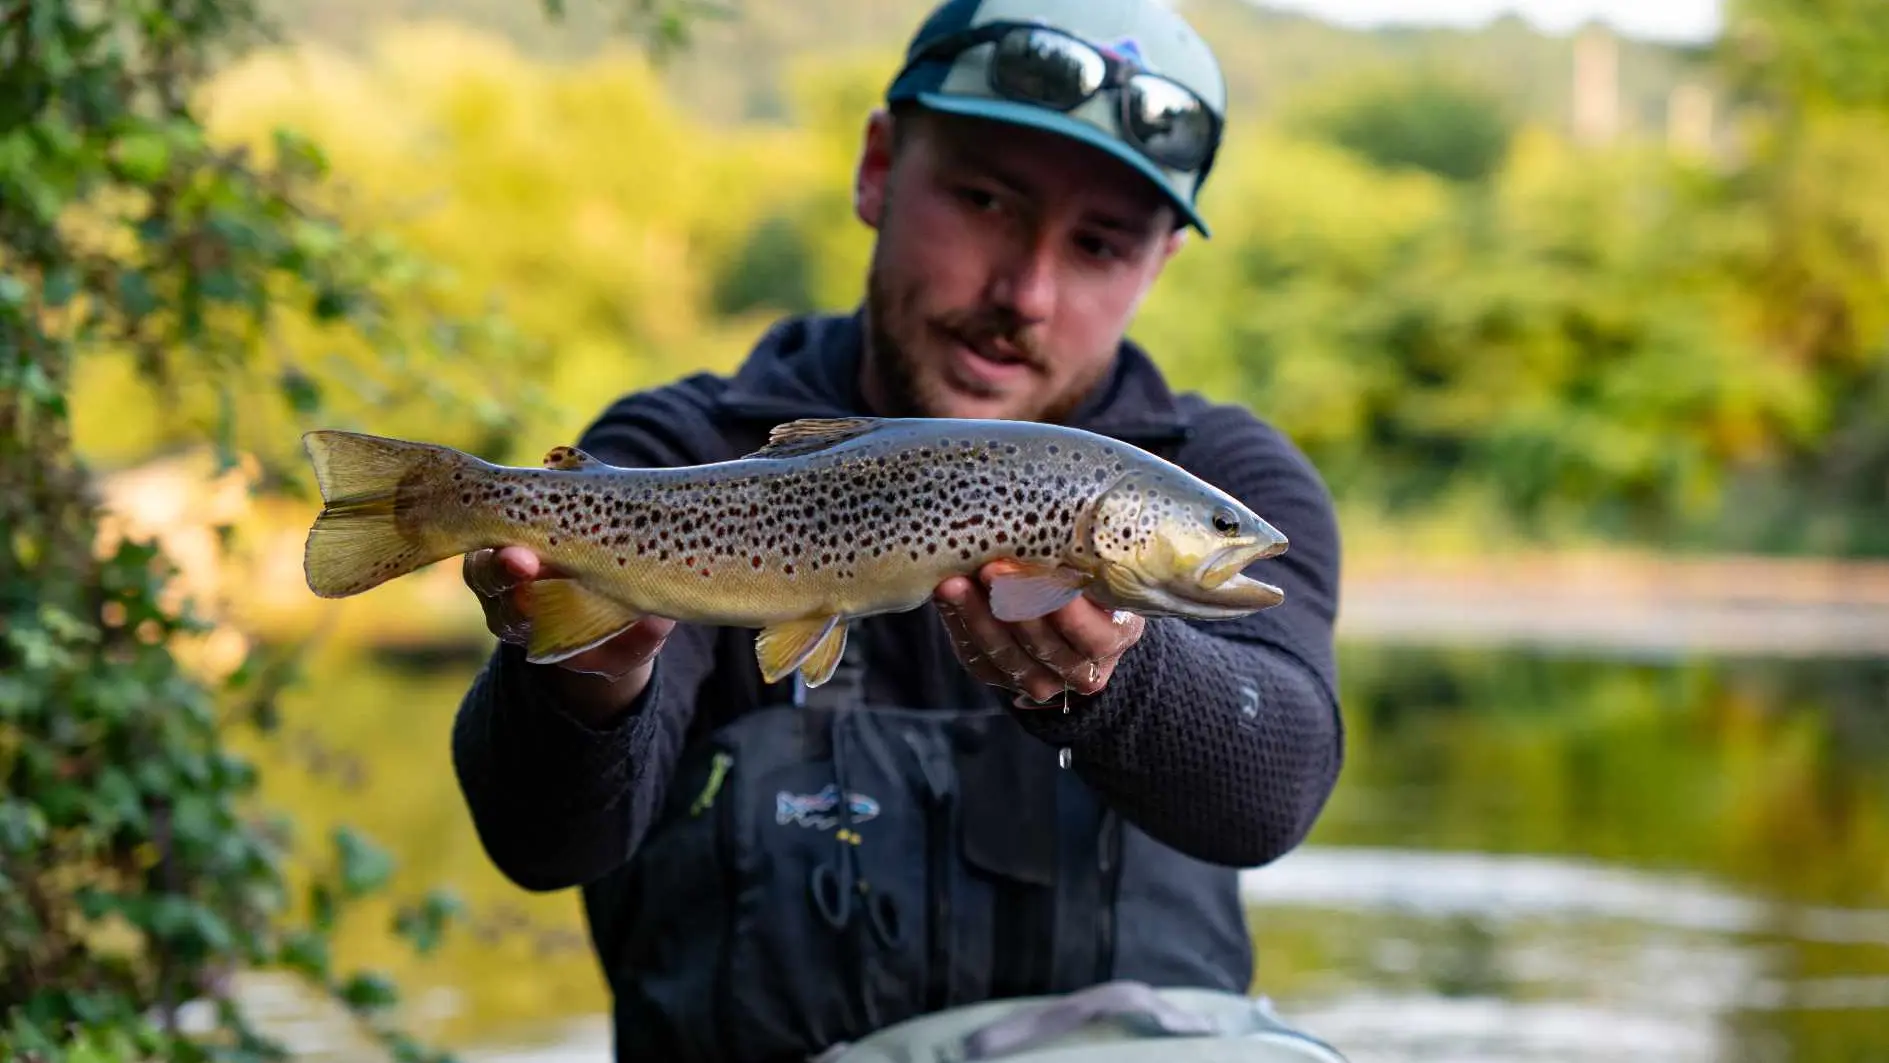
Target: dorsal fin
x=566 y=459
x=810 y=434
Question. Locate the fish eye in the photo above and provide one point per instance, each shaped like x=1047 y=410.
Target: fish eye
x=1225 y=522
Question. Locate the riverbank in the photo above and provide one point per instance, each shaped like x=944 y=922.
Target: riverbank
x=1623 y=602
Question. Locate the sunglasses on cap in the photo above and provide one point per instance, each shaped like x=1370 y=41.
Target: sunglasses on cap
x=1034 y=64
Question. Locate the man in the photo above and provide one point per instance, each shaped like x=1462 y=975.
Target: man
x=766 y=874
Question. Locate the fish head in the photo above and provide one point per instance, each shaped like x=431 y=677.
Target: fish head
x=1169 y=544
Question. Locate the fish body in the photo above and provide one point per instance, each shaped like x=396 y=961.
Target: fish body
x=831 y=521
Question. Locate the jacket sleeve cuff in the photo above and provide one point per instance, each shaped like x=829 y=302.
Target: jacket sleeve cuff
x=1092 y=718
x=561 y=742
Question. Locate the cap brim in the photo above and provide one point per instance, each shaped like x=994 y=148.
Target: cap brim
x=1041 y=118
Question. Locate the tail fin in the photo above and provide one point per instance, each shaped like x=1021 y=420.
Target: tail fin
x=381 y=504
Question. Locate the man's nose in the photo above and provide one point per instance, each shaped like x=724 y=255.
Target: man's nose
x=1025 y=281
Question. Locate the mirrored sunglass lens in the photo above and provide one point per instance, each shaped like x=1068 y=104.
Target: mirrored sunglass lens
x=1170 y=122
x=1047 y=67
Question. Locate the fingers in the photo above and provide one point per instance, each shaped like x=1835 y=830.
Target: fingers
x=981 y=642
x=629 y=651
x=480 y=569
x=491 y=572
x=1028 y=657
x=1073 y=650
x=1095 y=633
x=501 y=578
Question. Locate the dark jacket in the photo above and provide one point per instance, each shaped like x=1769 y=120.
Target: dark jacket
x=1213 y=747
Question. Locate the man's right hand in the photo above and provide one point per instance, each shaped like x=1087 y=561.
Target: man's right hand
x=597 y=685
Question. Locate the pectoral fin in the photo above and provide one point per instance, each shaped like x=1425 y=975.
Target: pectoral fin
x=812 y=644
x=1024 y=591
x=569 y=618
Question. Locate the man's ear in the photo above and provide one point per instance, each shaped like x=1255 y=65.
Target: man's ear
x=874 y=169
x=1175 y=241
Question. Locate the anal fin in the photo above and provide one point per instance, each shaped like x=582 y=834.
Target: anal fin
x=569 y=618
x=814 y=642
x=1022 y=591
x=819 y=665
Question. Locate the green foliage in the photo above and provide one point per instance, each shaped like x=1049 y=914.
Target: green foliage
x=667 y=25
x=1535 y=340
x=1454 y=316
x=1807 y=56
x=1425 y=119
x=137 y=875
x=741 y=68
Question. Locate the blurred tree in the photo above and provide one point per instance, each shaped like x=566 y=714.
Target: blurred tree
x=134 y=878
x=771 y=271
x=1417 y=117
x=1811 y=83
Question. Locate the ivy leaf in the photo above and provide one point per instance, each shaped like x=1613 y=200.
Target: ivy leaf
x=365 y=867
x=369 y=991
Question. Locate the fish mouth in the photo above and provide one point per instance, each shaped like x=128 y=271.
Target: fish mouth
x=1222 y=567
x=1217 y=590
x=1235 y=595
x=1221 y=583
x=1239 y=594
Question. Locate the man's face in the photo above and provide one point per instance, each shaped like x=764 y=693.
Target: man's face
x=1008 y=264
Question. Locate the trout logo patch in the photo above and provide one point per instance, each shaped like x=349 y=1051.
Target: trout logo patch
x=818 y=811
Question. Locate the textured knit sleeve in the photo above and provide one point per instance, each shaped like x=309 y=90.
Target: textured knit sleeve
x=557 y=802
x=1224 y=739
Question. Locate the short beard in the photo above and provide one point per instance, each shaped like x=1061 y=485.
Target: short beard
x=896 y=390
x=888 y=365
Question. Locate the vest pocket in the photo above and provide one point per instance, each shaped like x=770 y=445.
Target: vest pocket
x=831 y=823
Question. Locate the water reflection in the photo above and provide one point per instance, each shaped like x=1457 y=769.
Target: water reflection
x=1535 y=857
x=1434 y=956
x=1530 y=857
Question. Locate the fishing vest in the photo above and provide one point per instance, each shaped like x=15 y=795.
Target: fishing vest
x=827 y=865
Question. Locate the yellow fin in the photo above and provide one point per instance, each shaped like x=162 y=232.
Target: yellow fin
x=819 y=665
x=810 y=434
x=781 y=648
x=377 y=495
x=568 y=618
x=567 y=459
x=1024 y=591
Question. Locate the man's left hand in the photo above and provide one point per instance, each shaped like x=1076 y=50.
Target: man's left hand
x=1072 y=650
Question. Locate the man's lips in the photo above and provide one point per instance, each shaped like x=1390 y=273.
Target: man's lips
x=995 y=351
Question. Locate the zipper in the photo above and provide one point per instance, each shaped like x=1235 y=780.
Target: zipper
x=939 y=873
x=725 y=848
x=940 y=817
x=1105 y=911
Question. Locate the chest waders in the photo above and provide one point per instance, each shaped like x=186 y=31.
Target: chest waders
x=833 y=862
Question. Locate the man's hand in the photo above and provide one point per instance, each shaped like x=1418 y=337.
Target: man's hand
x=1073 y=649
x=598 y=684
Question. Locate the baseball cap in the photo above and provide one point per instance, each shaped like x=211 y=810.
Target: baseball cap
x=1147 y=34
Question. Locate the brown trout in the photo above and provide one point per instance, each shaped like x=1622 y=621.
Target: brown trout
x=830 y=521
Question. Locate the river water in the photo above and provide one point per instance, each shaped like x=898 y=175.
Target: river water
x=1530 y=858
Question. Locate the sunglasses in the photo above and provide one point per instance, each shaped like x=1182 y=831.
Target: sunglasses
x=1164 y=120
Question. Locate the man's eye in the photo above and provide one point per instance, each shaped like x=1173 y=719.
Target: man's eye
x=977 y=197
x=1096 y=247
